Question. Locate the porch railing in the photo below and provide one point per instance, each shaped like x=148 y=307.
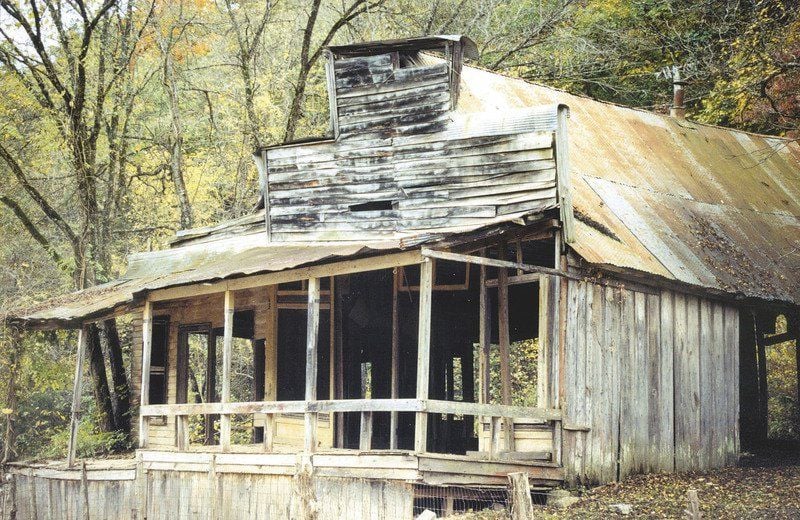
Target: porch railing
x=499 y=417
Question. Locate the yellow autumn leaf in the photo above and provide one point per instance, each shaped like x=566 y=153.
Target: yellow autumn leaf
x=6 y=411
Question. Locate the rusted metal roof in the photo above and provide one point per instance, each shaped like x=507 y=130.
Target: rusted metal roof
x=709 y=206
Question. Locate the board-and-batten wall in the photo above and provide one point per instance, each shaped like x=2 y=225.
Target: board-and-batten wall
x=650 y=382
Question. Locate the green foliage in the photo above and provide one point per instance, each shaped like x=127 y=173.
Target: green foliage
x=91 y=442
x=782 y=406
x=523 y=366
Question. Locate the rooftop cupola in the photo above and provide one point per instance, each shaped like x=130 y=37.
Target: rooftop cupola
x=395 y=87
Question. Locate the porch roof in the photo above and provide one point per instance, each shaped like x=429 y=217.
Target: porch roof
x=199 y=263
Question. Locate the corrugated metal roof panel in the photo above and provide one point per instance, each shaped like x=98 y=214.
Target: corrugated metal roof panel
x=200 y=263
x=700 y=204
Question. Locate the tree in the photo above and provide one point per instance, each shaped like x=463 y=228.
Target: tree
x=311 y=50
x=760 y=75
x=170 y=24
x=70 y=59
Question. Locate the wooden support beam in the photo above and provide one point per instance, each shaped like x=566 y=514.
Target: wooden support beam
x=11 y=399
x=484 y=339
x=374 y=263
x=523 y=413
x=494 y=437
x=505 y=343
x=793 y=328
x=147 y=347
x=423 y=352
x=774 y=339
x=563 y=174
x=312 y=337
x=227 y=351
x=516 y=280
x=270 y=363
x=519 y=496
x=182 y=432
x=331 y=346
x=395 y=383
x=339 y=357
x=269 y=432
x=763 y=393
x=365 y=438
x=77 y=388
x=492 y=262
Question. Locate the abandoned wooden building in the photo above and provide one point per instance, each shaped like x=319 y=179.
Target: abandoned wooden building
x=357 y=331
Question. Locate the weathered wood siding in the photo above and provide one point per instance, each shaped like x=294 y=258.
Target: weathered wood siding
x=181 y=494
x=377 y=99
x=431 y=182
x=650 y=382
x=400 y=144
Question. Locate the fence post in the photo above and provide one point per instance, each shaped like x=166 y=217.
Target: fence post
x=692 y=511
x=519 y=497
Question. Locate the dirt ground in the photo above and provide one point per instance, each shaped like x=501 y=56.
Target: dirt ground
x=763 y=486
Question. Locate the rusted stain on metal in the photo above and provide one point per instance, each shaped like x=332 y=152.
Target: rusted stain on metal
x=705 y=205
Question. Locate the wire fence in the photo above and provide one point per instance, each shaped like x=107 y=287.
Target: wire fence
x=464 y=501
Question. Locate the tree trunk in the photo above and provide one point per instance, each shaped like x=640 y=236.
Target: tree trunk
x=119 y=377
x=11 y=400
x=176 y=138
x=97 y=368
x=297 y=104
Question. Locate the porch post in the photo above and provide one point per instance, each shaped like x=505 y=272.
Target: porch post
x=270 y=365
x=395 y=390
x=484 y=338
x=76 y=398
x=485 y=345
x=227 y=347
x=144 y=391
x=505 y=360
x=312 y=336
x=423 y=352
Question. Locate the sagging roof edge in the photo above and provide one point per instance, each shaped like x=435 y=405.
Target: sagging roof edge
x=603 y=274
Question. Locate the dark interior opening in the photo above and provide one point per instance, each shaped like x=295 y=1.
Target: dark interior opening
x=373 y=205
x=158 y=361
x=291 y=369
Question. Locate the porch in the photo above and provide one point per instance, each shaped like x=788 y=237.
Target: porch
x=379 y=357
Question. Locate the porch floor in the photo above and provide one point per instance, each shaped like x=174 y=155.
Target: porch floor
x=397 y=465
